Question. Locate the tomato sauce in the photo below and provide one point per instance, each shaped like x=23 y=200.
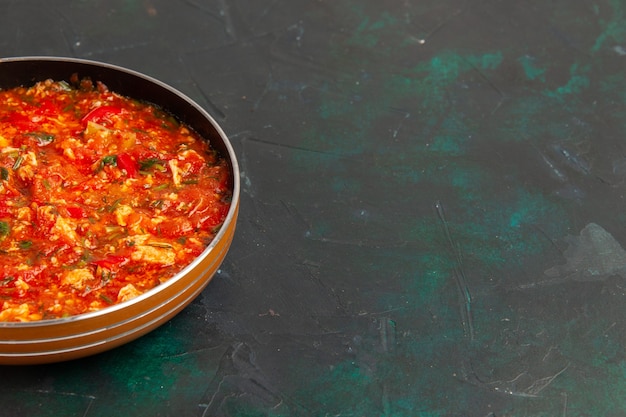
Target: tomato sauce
x=101 y=198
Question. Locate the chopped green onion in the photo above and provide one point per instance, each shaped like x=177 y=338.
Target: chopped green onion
x=25 y=244
x=106 y=276
x=4 y=229
x=151 y=164
x=7 y=280
x=43 y=138
x=65 y=86
x=110 y=160
x=4 y=174
x=107 y=160
x=18 y=162
x=114 y=205
x=160 y=245
x=105 y=298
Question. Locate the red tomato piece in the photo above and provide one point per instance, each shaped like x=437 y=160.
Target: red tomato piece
x=126 y=162
x=210 y=218
x=112 y=262
x=174 y=228
x=76 y=212
x=100 y=113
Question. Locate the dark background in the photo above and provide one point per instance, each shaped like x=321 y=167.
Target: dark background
x=431 y=219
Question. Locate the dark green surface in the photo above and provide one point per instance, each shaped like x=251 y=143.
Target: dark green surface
x=432 y=211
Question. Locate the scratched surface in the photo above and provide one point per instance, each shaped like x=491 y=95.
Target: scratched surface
x=432 y=215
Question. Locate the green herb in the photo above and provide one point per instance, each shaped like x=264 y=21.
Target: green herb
x=151 y=163
x=114 y=205
x=4 y=174
x=43 y=138
x=106 y=276
x=25 y=244
x=82 y=261
x=64 y=86
x=105 y=298
x=160 y=245
x=5 y=281
x=4 y=229
x=110 y=160
x=113 y=229
x=18 y=162
x=148 y=163
x=168 y=121
x=189 y=181
x=107 y=160
x=115 y=233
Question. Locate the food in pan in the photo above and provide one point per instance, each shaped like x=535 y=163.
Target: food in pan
x=102 y=198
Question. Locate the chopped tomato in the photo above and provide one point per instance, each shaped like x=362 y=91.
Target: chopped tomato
x=128 y=164
x=112 y=261
x=174 y=228
x=101 y=113
x=76 y=212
